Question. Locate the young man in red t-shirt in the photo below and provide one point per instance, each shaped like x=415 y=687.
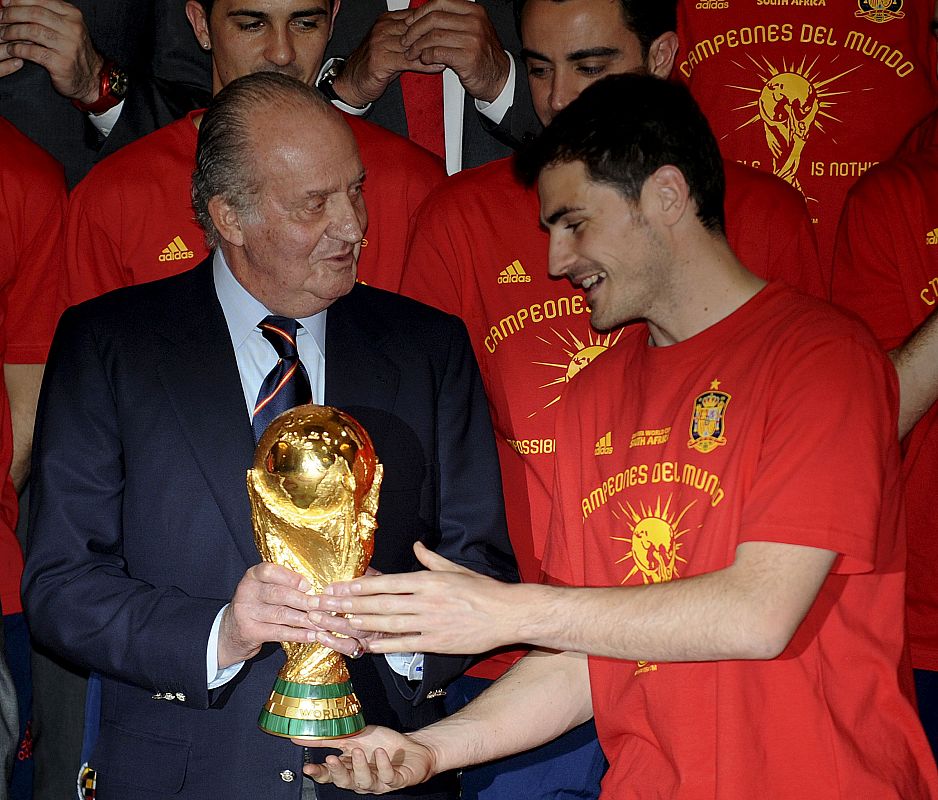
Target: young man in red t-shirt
x=131 y=221
x=726 y=532
x=477 y=250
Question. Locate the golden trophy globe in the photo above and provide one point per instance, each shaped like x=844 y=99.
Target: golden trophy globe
x=314 y=495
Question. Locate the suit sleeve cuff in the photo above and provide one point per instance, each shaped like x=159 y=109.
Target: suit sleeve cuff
x=105 y=122
x=496 y=110
x=355 y=111
x=408 y=665
x=214 y=675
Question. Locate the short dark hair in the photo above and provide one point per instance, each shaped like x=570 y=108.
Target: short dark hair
x=207 y=6
x=624 y=128
x=223 y=158
x=647 y=19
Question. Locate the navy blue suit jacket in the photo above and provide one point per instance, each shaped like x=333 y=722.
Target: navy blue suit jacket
x=141 y=528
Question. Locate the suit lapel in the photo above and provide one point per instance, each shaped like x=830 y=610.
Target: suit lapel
x=358 y=373
x=200 y=374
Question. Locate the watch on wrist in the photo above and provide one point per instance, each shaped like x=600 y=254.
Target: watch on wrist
x=113 y=83
x=328 y=79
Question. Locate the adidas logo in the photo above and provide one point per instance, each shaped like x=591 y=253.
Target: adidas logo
x=932 y=237
x=514 y=273
x=604 y=446
x=176 y=250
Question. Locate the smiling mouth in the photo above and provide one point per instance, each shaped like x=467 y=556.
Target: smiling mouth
x=590 y=281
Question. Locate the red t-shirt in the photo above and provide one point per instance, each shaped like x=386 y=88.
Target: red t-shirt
x=774 y=425
x=816 y=92
x=131 y=220
x=32 y=217
x=477 y=250
x=886 y=270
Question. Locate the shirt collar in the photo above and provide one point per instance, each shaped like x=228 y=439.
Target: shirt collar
x=243 y=311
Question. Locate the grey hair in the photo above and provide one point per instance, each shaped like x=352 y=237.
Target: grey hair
x=224 y=160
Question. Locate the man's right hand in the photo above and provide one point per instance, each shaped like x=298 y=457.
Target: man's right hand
x=270 y=604
x=378 y=60
x=375 y=761
x=53 y=34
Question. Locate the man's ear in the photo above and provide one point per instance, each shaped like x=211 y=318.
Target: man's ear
x=661 y=55
x=227 y=221
x=666 y=195
x=195 y=12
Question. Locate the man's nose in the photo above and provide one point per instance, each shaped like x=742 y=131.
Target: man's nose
x=280 y=49
x=348 y=221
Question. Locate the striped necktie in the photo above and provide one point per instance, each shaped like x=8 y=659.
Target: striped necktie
x=287 y=384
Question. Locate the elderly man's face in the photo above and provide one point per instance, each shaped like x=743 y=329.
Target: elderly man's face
x=247 y=36
x=296 y=250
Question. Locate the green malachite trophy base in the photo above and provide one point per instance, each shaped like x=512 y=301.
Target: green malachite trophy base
x=312 y=712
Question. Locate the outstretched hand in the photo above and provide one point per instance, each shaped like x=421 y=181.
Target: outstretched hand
x=375 y=761
x=446 y=609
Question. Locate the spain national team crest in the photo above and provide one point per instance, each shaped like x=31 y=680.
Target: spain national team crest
x=708 y=423
x=880 y=10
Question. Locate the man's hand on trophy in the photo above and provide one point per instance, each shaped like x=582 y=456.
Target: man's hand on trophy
x=337 y=633
x=270 y=604
x=375 y=761
x=446 y=609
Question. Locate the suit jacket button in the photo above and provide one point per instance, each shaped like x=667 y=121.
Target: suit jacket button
x=287 y=776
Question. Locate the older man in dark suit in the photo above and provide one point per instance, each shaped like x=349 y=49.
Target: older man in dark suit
x=142 y=564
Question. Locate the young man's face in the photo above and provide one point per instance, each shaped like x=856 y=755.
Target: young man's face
x=603 y=243
x=568 y=45
x=247 y=36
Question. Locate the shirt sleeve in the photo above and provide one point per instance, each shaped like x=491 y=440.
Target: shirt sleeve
x=866 y=263
x=218 y=677
x=496 y=110
x=432 y=265
x=93 y=263
x=34 y=295
x=829 y=453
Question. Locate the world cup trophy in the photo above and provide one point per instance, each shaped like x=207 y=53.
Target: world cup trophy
x=314 y=495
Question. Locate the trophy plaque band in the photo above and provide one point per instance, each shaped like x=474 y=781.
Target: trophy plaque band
x=312 y=712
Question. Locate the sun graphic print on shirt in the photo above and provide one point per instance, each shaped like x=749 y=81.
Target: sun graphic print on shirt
x=654 y=544
x=578 y=354
x=791 y=101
